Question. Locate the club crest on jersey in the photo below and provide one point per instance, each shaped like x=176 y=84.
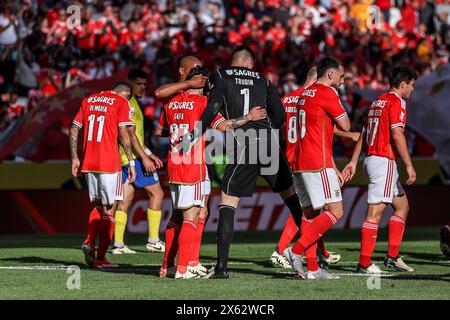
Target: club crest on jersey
x=131 y=113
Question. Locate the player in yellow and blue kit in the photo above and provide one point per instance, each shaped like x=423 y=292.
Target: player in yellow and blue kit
x=147 y=178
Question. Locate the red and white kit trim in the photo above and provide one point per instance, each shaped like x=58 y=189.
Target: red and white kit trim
x=317 y=189
x=383 y=180
x=340 y=117
x=370 y=225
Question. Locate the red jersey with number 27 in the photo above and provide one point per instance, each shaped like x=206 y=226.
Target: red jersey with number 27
x=385 y=113
x=290 y=102
x=180 y=115
x=101 y=115
x=318 y=107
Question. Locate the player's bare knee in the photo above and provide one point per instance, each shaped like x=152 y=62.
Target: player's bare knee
x=336 y=208
x=401 y=206
x=374 y=217
x=125 y=204
x=203 y=213
x=156 y=196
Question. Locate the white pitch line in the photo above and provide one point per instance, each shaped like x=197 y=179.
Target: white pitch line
x=33 y=267
x=382 y=275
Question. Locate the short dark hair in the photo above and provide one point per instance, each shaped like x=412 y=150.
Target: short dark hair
x=326 y=64
x=399 y=74
x=239 y=49
x=137 y=73
x=122 y=85
x=198 y=71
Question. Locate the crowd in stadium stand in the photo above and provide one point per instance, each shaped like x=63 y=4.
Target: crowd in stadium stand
x=43 y=49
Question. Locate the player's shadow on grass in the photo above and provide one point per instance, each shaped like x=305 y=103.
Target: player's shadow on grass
x=425 y=258
x=437 y=277
x=133 y=269
x=259 y=262
x=281 y=274
x=44 y=261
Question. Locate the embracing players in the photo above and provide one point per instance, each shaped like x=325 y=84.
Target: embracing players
x=384 y=138
x=235 y=91
x=105 y=117
x=187 y=175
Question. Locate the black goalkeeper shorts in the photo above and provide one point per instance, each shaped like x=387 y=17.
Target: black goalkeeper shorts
x=240 y=177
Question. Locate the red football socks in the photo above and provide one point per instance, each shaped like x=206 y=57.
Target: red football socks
x=95 y=218
x=185 y=241
x=195 y=252
x=289 y=232
x=396 y=230
x=320 y=225
x=369 y=231
x=311 y=252
x=172 y=233
x=106 y=235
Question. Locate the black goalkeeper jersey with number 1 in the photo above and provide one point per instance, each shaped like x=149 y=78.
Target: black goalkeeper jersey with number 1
x=243 y=89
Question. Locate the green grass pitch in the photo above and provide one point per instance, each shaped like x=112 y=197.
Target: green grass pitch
x=32 y=267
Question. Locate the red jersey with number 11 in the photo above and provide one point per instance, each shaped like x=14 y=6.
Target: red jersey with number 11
x=385 y=113
x=101 y=115
x=318 y=107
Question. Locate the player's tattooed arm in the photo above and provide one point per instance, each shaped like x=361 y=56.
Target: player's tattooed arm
x=73 y=139
x=255 y=114
x=125 y=142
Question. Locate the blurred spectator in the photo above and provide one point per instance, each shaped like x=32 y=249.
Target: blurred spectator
x=41 y=53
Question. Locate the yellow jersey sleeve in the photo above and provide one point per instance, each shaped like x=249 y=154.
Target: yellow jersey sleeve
x=138 y=124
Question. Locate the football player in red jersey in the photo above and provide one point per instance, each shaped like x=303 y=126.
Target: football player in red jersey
x=104 y=118
x=187 y=174
x=290 y=102
x=384 y=138
x=164 y=94
x=318 y=179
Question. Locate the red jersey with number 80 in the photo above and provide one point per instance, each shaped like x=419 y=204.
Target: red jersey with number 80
x=318 y=107
x=290 y=102
x=385 y=113
x=101 y=115
x=180 y=115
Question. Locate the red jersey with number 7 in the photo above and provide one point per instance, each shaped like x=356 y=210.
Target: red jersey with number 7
x=318 y=107
x=290 y=102
x=385 y=113
x=101 y=115
x=180 y=115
